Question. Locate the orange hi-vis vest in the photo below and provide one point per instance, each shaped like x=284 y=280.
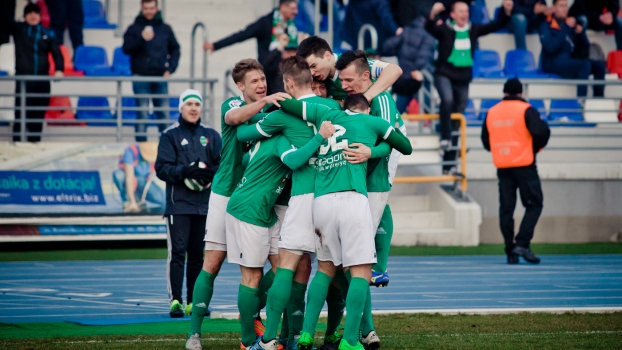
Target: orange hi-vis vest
x=511 y=143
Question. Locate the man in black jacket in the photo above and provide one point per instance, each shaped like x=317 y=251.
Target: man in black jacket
x=268 y=30
x=33 y=43
x=154 y=52
x=183 y=146
x=457 y=40
x=514 y=133
x=599 y=15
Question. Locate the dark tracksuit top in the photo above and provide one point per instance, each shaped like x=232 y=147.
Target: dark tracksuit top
x=32 y=45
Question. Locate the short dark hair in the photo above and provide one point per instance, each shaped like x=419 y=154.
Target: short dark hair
x=356 y=101
x=244 y=66
x=555 y=1
x=313 y=45
x=283 y=2
x=356 y=57
x=32 y=8
x=147 y=1
x=296 y=69
x=451 y=8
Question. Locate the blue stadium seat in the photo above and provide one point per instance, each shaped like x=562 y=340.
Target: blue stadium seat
x=496 y=17
x=520 y=63
x=487 y=64
x=539 y=105
x=93 y=101
x=485 y=106
x=121 y=62
x=469 y=112
x=3 y=73
x=93 y=61
x=479 y=13
x=127 y=102
x=95 y=16
x=173 y=102
x=572 y=111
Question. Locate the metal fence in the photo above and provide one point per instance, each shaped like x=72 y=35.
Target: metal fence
x=116 y=109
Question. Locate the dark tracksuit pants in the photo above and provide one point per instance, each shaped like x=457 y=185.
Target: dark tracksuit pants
x=454 y=98
x=67 y=13
x=527 y=181
x=34 y=119
x=185 y=234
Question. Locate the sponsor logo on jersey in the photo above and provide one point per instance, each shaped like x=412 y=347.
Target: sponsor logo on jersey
x=184 y=142
x=235 y=103
x=203 y=141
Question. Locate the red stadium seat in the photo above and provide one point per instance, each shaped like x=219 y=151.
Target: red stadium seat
x=69 y=68
x=614 y=62
x=64 y=114
x=45 y=13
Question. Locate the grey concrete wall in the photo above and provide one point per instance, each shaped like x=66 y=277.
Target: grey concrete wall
x=574 y=211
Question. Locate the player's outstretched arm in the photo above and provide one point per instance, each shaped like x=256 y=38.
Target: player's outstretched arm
x=243 y=114
x=295 y=158
x=251 y=132
x=386 y=78
x=400 y=142
x=311 y=112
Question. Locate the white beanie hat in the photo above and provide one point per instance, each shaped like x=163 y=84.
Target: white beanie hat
x=190 y=95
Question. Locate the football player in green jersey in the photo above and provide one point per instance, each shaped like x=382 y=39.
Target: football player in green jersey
x=253 y=235
x=342 y=218
x=321 y=59
x=352 y=67
x=250 y=79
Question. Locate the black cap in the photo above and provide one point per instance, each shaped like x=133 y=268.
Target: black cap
x=513 y=87
x=32 y=8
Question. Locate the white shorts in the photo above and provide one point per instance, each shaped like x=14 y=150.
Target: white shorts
x=394 y=159
x=377 y=202
x=249 y=245
x=344 y=232
x=297 y=232
x=215 y=227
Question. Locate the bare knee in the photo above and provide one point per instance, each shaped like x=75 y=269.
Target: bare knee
x=213 y=261
x=303 y=271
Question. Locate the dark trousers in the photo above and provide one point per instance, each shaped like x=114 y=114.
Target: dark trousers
x=454 y=97
x=579 y=68
x=597 y=25
x=67 y=13
x=34 y=119
x=185 y=235
x=527 y=181
x=144 y=88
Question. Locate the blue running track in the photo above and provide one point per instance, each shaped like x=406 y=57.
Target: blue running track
x=134 y=289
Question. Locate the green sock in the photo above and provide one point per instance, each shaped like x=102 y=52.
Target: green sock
x=318 y=289
x=336 y=305
x=278 y=296
x=284 y=336
x=355 y=305
x=296 y=309
x=367 y=321
x=264 y=287
x=384 y=234
x=202 y=295
x=248 y=303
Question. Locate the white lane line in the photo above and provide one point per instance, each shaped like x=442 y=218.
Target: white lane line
x=74 y=300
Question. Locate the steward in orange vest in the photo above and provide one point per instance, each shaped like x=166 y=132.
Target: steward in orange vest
x=513 y=132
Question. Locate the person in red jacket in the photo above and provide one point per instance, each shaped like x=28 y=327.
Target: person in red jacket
x=513 y=132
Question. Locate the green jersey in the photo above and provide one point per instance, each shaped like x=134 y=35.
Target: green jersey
x=298 y=132
x=230 y=171
x=384 y=107
x=265 y=178
x=333 y=85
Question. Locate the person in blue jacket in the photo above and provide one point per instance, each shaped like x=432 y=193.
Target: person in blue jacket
x=33 y=43
x=561 y=37
x=154 y=52
x=183 y=143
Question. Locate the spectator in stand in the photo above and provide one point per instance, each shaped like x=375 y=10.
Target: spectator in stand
x=67 y=14
x=274 y=78
x=268 y=30
x=135 y=178
x=528 y=14
x=374 y=12
x=154 y=52
x=457 y=38
x=33 y=43
x=563 y=39
x=599 y=15
x=414 y=49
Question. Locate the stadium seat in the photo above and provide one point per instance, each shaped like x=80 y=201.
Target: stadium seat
x=45 y=13
x=614 y=62
x=92 y=102
x=95 y=16
x=121 y=62
x=3 y=73
x=487 y=64
x=566 y=111
x=67 y=62
x=174 y=104
x=469 y=112
x=64 y=114
x=539 y=106
x=127 y=102
x=93 y=61
x=479 y=13
x=485 y=106
x=600 y=111
x=520 y=63
x=496 y=17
